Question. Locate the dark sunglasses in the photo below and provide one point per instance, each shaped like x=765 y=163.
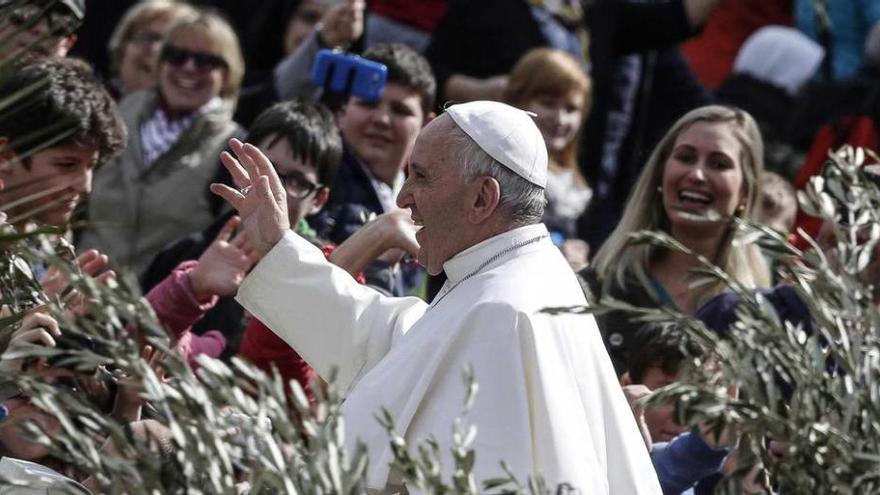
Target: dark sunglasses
x=297 y=185
x=178 y=56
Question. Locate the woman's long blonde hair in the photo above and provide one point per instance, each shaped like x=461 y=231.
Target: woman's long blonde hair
x=549 y=72
x=618 y=261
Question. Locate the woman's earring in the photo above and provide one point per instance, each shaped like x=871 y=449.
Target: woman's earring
x=740 y=209
x=660 y=189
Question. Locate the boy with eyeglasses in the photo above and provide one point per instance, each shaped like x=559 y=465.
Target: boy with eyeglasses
x=302 y=141
x=39 y=28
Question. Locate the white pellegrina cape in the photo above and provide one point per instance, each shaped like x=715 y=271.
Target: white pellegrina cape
x=548 y=404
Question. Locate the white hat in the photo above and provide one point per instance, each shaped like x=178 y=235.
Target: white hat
x=507 y=134
x=781 y=56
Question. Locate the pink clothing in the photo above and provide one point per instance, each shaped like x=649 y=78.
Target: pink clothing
x=178 y=310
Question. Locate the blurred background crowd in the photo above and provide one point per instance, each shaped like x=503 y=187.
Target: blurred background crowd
x=651 y=110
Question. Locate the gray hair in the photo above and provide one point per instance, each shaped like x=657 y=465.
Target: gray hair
x=521 y=200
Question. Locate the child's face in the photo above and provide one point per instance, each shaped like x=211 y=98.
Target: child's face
x=558 y=118
x=49 y=36
x=661 y=424
x=383 y=133
x=51 y=185
x=298 y=177
x=777 y=211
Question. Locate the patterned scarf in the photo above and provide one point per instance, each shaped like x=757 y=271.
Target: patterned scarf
x=163 y=129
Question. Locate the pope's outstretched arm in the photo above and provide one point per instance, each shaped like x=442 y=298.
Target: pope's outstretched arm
x=317 y=308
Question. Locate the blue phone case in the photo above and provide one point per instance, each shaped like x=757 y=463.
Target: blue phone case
x=344 y=73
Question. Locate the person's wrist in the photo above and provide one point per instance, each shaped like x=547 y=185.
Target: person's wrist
x=196 y=283
x=383 y=235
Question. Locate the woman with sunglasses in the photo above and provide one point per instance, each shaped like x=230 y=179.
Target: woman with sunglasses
x=157 y=191
x=135 y=43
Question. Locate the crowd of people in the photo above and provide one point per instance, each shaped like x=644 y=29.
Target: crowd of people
x=191 y=148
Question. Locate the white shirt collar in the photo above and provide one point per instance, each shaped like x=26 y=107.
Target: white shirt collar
x=464 y=263
x=387 y=194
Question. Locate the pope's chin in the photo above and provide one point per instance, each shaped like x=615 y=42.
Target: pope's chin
x=430 y=264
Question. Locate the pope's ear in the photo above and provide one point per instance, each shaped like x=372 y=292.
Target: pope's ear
x=486 y=197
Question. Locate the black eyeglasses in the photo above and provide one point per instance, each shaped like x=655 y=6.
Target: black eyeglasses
x=297 y=185
x=178 y=56
x=145 y=38
x=61 y=20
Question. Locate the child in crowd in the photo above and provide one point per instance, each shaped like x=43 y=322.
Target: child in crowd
x=778 y=206
x=378 y=137
x=39 y=28
x=681 y=457
x=553 y=85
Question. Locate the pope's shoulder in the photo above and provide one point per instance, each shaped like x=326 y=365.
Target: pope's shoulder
x=529 y=282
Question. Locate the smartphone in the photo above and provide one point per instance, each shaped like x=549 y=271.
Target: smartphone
x=347 y=74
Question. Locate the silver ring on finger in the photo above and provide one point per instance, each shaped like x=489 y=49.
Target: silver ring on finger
x=245 y=190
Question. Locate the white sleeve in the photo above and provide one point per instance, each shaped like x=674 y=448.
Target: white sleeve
x=322 y=312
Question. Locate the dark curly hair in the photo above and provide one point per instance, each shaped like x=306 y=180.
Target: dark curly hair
x=59 y=101
x=408 y=68
x=658 y=345
x=309 y=129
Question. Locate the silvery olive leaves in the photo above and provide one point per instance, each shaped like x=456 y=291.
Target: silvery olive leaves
x=803 y=403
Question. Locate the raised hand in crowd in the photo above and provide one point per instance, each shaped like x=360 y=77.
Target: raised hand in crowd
x=90 y=263
x=343 y=24
x=261 y=200
x=387 y=237
x=129 y=401
x=223 y=266
x=56 y=281
x=36 y=328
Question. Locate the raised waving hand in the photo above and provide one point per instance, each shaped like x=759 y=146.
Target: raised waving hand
x=260 y=199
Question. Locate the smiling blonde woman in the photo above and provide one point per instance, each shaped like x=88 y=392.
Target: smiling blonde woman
x=709 y=164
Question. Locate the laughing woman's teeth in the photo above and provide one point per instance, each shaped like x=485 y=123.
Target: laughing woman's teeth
x=694 y=196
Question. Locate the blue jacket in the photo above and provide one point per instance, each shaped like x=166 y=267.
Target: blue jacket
x=851 y=20
x=684 y=461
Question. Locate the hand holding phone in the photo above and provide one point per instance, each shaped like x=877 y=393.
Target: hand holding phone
x=347 y=74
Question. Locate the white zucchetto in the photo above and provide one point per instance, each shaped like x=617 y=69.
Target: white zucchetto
x=507 y=134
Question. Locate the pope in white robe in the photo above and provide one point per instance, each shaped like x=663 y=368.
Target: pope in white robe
x=549 y=403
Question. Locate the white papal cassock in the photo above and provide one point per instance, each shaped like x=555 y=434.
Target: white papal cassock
x=548 y=402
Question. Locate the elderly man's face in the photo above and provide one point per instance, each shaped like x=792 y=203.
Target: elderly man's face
x=438 y=196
